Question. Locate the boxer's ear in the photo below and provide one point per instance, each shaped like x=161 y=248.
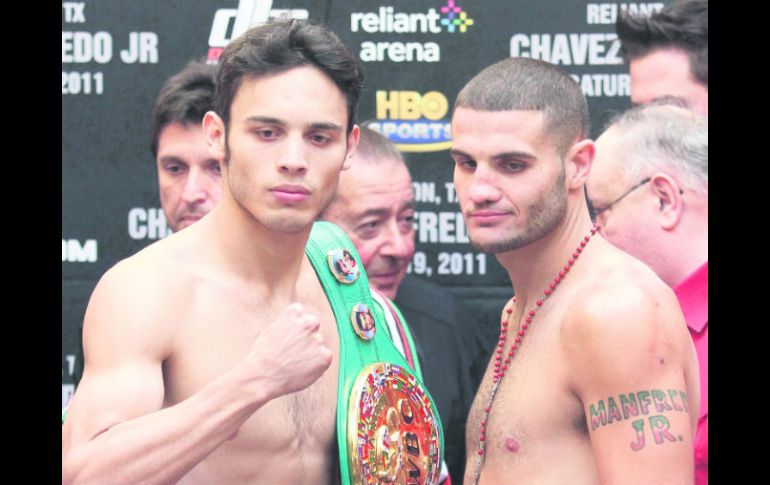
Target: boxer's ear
x=216 y=137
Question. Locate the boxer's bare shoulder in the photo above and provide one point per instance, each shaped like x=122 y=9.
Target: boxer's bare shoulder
x=634 y=370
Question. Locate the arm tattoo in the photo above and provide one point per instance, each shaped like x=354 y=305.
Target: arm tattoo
x=641 y=404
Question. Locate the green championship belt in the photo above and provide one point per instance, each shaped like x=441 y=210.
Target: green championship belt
x=388 y=429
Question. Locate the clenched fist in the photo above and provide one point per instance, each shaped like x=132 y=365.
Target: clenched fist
x=290 y=352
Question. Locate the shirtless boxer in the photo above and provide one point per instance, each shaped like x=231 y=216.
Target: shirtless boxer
x=211 y=355
x=595 y=380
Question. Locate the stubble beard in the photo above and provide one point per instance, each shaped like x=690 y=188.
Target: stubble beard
x=545 y=215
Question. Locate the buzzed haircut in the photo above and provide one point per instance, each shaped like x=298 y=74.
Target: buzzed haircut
x=280 y=45
x=665 y=136
x=184 y=98
x=520 y=83
x=374 y=147
x=681 y=25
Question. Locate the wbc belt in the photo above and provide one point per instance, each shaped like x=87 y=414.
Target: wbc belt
x=388 y=429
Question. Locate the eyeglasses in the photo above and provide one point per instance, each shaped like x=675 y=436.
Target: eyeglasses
x=599 y=211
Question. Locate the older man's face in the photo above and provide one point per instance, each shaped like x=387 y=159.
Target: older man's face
x=375 y=207
x=624 y=207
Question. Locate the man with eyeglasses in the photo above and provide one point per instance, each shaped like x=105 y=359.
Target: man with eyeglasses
x=649 y=191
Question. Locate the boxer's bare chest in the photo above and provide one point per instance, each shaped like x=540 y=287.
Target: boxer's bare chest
x=531 y=409
x=217 y=332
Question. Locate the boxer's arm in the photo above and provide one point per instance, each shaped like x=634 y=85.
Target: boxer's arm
x=117 y=430
x=629 y=376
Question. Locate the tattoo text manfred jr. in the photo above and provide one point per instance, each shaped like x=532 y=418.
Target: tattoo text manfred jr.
x=639 y=404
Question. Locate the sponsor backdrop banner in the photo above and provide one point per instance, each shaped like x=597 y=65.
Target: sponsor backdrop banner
x=416 y=55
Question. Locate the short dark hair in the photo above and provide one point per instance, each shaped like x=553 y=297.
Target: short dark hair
x=184 y=98
x=281 y=45
x=681 y=25
x=520 y=83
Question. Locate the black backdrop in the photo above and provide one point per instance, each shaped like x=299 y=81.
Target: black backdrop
x=417 y=54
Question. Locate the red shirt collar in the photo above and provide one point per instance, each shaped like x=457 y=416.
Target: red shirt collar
x=693 y=295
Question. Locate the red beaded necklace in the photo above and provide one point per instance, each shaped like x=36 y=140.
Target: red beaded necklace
x=502 y=365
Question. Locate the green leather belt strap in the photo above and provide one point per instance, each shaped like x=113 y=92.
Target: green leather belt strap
x=355 y=352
